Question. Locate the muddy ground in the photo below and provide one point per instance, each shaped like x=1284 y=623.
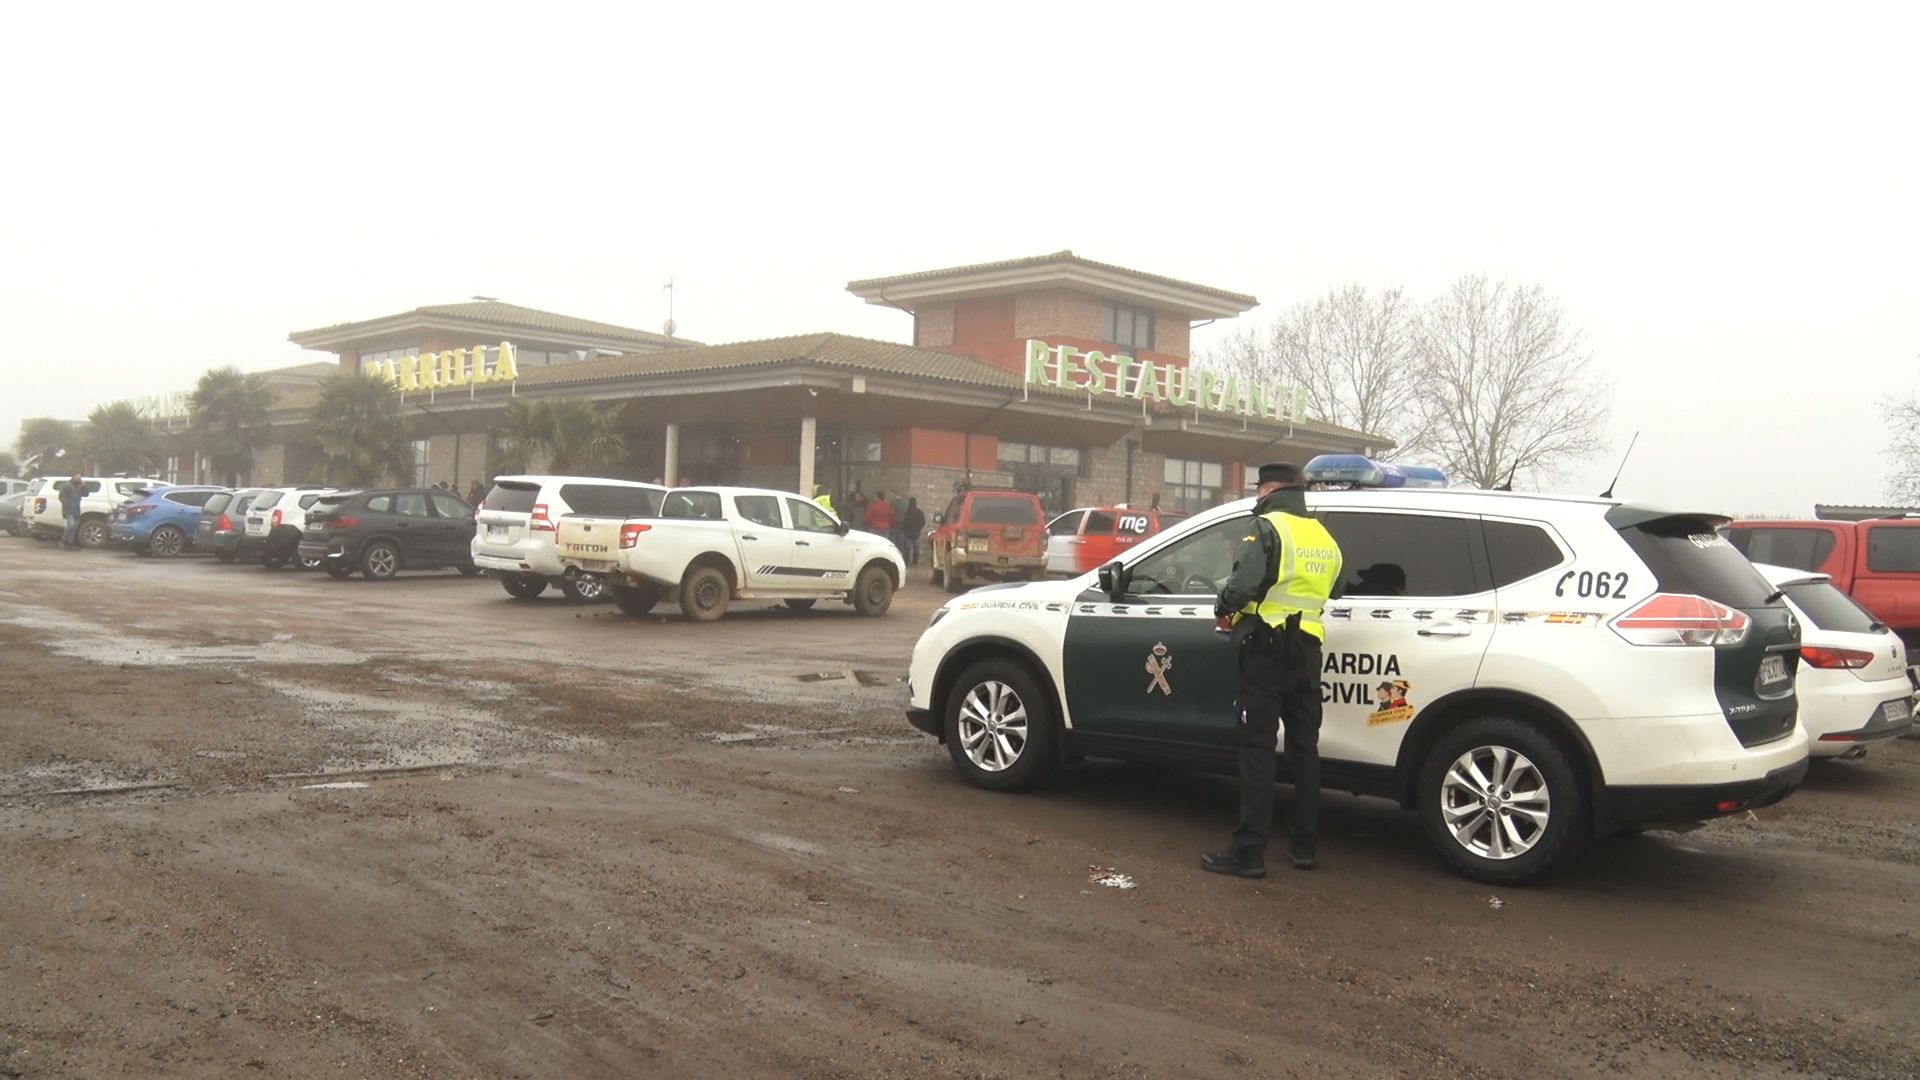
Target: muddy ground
x=416 y=828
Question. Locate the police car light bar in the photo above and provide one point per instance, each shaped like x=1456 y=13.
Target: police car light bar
x=1358 y=470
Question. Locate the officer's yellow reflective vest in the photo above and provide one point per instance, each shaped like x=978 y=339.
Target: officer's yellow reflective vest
x=825 y=500
x=1309 y=565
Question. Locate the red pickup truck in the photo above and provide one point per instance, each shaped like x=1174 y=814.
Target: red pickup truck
x=1875 y=562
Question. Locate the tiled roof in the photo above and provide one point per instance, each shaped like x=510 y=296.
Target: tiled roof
x=1064 y=256
x=513 y=317
x=831 y=350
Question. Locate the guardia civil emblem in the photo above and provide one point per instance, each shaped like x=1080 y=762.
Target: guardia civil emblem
x=1159 y=662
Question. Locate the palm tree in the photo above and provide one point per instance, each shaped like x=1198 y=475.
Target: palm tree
x=118 y=439
x=47 y=440
x=361 y=431
x=568 y=433
x=228 y=409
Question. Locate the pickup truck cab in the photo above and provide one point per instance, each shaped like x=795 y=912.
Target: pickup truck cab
x=1875 y=562
x=711 y=546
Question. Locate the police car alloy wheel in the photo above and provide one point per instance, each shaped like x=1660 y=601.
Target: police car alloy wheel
x=1501 y=801
x=999 y=726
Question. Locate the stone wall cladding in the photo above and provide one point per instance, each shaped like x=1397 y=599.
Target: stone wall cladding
x=1172 y=335
x=1056 y=312
x=933 y=325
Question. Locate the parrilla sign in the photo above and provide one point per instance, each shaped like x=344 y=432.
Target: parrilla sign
x=1117 y=375
x=446 y=370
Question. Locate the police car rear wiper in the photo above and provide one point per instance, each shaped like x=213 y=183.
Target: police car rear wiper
x=1775 y=597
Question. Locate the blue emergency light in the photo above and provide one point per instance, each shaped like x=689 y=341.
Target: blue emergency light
x=1358 y=470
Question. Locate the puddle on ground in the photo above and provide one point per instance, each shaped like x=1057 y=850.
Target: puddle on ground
x=103 y=645
x=852 y=677
x=385 y=731
x=70 y=776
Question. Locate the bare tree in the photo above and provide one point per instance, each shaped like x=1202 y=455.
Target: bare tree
x=1506 y=385
x=1350 y=351
x=1902 y=417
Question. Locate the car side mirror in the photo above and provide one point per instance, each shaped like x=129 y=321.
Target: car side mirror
x=842 y=528
x=939 y=519
x=1113 y=580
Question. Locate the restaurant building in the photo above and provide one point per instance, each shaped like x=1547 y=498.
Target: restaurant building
x=1055 y=374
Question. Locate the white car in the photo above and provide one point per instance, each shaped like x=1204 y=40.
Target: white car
x=104 y=493
x=710 y=546
x=1527 y=672
x=518 y=521
x=275 y=521
x=1853 y=683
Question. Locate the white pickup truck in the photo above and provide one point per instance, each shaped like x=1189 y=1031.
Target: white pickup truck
x=711 y=546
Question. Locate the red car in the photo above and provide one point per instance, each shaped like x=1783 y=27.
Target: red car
x=988 y=534
x=1875 y=562
x=1086 y=539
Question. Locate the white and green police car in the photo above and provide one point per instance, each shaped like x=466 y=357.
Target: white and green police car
x=1525 y=671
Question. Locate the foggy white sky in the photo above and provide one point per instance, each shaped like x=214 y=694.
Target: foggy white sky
x=1726 y=201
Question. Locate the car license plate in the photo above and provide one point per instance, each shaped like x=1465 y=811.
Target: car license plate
x=1897 y=710
x=496 y=530
x=1773 y=669
x=977 y=546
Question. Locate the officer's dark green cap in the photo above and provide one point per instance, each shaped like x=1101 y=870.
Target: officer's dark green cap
x=1280 y=472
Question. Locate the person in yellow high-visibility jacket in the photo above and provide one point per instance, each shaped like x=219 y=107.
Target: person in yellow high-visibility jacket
x=1284 y=570
x=821 y=496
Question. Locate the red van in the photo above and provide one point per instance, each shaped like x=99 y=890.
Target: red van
x=984 y=533
x=1875 y=562
x=1086 y=539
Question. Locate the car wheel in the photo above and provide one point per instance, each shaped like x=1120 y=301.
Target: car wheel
x=167 y=542
x=704 y=594
x=380 y=561
x=873 y=591
x=92 y=533
x=999 y=726
x=801 y=604
x=338 y=569
x=523 y=586
x=1501 y=801
x=584 y=589
x=634 y=601
x=467 y=569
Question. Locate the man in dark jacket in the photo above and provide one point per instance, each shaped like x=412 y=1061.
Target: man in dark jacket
x=70 y=497
x=913 y=525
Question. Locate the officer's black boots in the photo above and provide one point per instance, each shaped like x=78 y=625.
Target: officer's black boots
x=1301 y=855
x=1239 y=863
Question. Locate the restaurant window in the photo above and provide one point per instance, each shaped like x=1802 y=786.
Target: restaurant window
x=1129 y=327
x=419 y=463
x=1018 y=453
x=1193 y=486
x=863 y=446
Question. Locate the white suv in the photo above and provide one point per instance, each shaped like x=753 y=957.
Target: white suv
x=104 y=493
x=1526 y=672
x=515 y=528
x=275 y=521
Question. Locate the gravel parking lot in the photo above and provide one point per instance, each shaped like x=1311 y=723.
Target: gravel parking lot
x=264 y=823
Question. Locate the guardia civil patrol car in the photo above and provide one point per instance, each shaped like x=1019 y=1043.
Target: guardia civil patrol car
x=1527 y=672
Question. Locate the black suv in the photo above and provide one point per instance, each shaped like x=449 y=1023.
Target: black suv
x=383 y=531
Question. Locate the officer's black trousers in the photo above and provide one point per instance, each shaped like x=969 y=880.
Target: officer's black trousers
x=1279 y=680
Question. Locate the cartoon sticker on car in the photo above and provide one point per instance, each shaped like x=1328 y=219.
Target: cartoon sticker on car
x=1390 y=704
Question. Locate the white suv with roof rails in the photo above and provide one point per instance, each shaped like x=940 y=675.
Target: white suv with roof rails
x=104 y=493
x=1527 y=672
x=516 y=525
x=275 y=521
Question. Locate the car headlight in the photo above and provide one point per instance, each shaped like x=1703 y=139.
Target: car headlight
x=938 y=614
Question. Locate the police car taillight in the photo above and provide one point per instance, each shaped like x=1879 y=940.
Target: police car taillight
x=1677 y=619
x=1358 y=470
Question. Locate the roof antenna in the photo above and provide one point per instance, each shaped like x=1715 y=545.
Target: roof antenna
x=1608 y=494
x=1508 y=485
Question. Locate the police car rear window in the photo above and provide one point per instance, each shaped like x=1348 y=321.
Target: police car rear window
x=1404 y=555
x=1830 y=609
x=1001 y=510
x=513 y=498
x=1686 y=555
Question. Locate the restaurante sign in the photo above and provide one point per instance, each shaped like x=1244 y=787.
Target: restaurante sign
x=444 y=370
x=1117 y=375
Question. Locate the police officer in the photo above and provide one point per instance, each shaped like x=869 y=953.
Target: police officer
x=1284 y=570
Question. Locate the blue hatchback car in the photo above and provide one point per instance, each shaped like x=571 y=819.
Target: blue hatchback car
x=162 y=521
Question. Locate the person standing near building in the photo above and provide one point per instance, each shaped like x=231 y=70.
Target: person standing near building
x=880 y=515
x=913 y=525
x=820 y=496
x=70 y=497
x=476 y=492
x=857 y=507
x=1284 y=570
